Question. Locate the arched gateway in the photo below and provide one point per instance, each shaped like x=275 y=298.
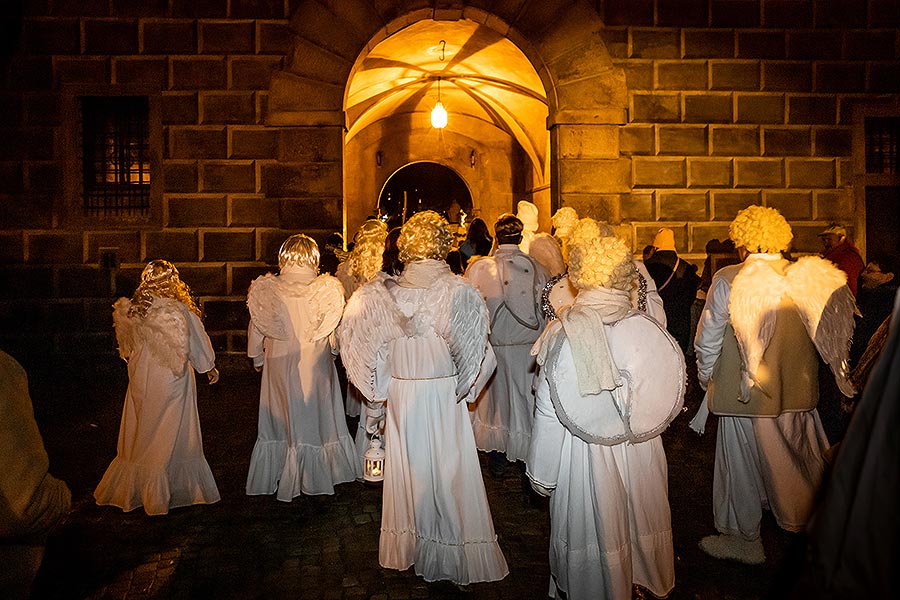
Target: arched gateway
x=534 y=101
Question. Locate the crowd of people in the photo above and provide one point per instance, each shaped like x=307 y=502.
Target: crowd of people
x=559 y=352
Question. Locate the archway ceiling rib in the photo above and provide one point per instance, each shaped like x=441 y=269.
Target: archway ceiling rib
x=484 y=77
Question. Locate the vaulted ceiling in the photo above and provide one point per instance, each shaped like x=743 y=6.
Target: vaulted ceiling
x=484 y=80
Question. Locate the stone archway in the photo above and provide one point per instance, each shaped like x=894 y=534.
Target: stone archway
x=424 y=185
x=585 y=93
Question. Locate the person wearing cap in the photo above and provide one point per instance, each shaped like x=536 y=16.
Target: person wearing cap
x=676 y=282
x=510 y=281
x=841 y=251
x=762 y=331
x=596 y=448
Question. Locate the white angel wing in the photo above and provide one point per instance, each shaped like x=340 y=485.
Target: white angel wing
x=267 y=311
x=826 y=305
x=755 y=295
x=370 y=321
x=466 y=333
x=165 y=332
x=125 y=326
x=326 y=304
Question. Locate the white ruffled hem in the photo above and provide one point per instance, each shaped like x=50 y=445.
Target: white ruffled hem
x=156 y=488
x=434 y=560
x=517 y=446
x=288 y=471
x=589 y=571
x=489 y=438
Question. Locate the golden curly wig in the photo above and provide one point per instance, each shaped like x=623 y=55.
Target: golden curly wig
x=368 y=247
x=298 y=250
x=425 y=235
x=761 y=229
x=160 y=279
x=600 y=262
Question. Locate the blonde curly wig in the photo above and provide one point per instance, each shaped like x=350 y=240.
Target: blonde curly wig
x=368 y=247
x=600 y=262
x=761 y=229
x=298 y=250
x=160 y=279
x=564 y=220
x=425 y=235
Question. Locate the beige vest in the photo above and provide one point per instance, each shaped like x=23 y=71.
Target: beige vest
x=787 y=378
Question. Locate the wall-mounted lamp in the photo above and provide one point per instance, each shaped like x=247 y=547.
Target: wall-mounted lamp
x=378 y=158
x=472 y=159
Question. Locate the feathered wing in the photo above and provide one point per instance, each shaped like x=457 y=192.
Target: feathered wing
x=466 y=333
x=370 y=321
x=326 y=304
x=755 y=294
x=125 y=326
x=165 y=333
x=826 y=305
x=267 y=311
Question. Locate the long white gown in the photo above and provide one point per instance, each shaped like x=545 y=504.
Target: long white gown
x=610 y=522
x=303 y=445
x=420 y=349
x=159 y=461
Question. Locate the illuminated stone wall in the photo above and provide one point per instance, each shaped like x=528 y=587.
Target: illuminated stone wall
x=735 y=103
x=728 y=103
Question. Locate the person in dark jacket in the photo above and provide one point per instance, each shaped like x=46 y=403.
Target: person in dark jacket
x=676 y=281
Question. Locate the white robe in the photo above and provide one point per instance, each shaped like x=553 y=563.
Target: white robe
x=420 y=350
x=610 y=522
x=159 y=460
x=504 y=413
x=774 y=463
x=303 y=445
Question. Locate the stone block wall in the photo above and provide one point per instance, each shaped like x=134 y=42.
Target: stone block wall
x=733 y=103
x=229 y=188
x=729 y=103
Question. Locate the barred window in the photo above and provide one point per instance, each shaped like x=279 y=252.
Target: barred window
x=115 y=155
x=882 y=136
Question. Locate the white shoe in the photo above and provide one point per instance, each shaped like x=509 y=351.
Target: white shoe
x=733 y=547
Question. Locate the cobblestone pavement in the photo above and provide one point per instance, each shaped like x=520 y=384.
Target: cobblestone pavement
x=317 y=548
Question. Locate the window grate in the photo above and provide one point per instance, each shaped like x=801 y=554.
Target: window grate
x=115 y=155
x=882 y=134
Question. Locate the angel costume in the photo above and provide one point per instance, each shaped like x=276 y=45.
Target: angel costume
x=510 y=282
x=611 y=380
x=418 y=343
x=159 y=462
x=756 y=348
x=303 y=445
x=559 y=293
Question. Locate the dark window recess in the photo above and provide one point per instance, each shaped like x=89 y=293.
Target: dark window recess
x=882 y=135
x=115 y=155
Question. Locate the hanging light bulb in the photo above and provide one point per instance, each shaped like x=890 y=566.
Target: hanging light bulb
x=439 y=113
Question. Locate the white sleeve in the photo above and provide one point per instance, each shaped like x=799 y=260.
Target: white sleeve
x=547 y=438
x=255 y=344
x=711 y=328
x=200 y=350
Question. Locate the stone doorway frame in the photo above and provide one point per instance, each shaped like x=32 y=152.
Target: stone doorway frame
x=586 y=93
